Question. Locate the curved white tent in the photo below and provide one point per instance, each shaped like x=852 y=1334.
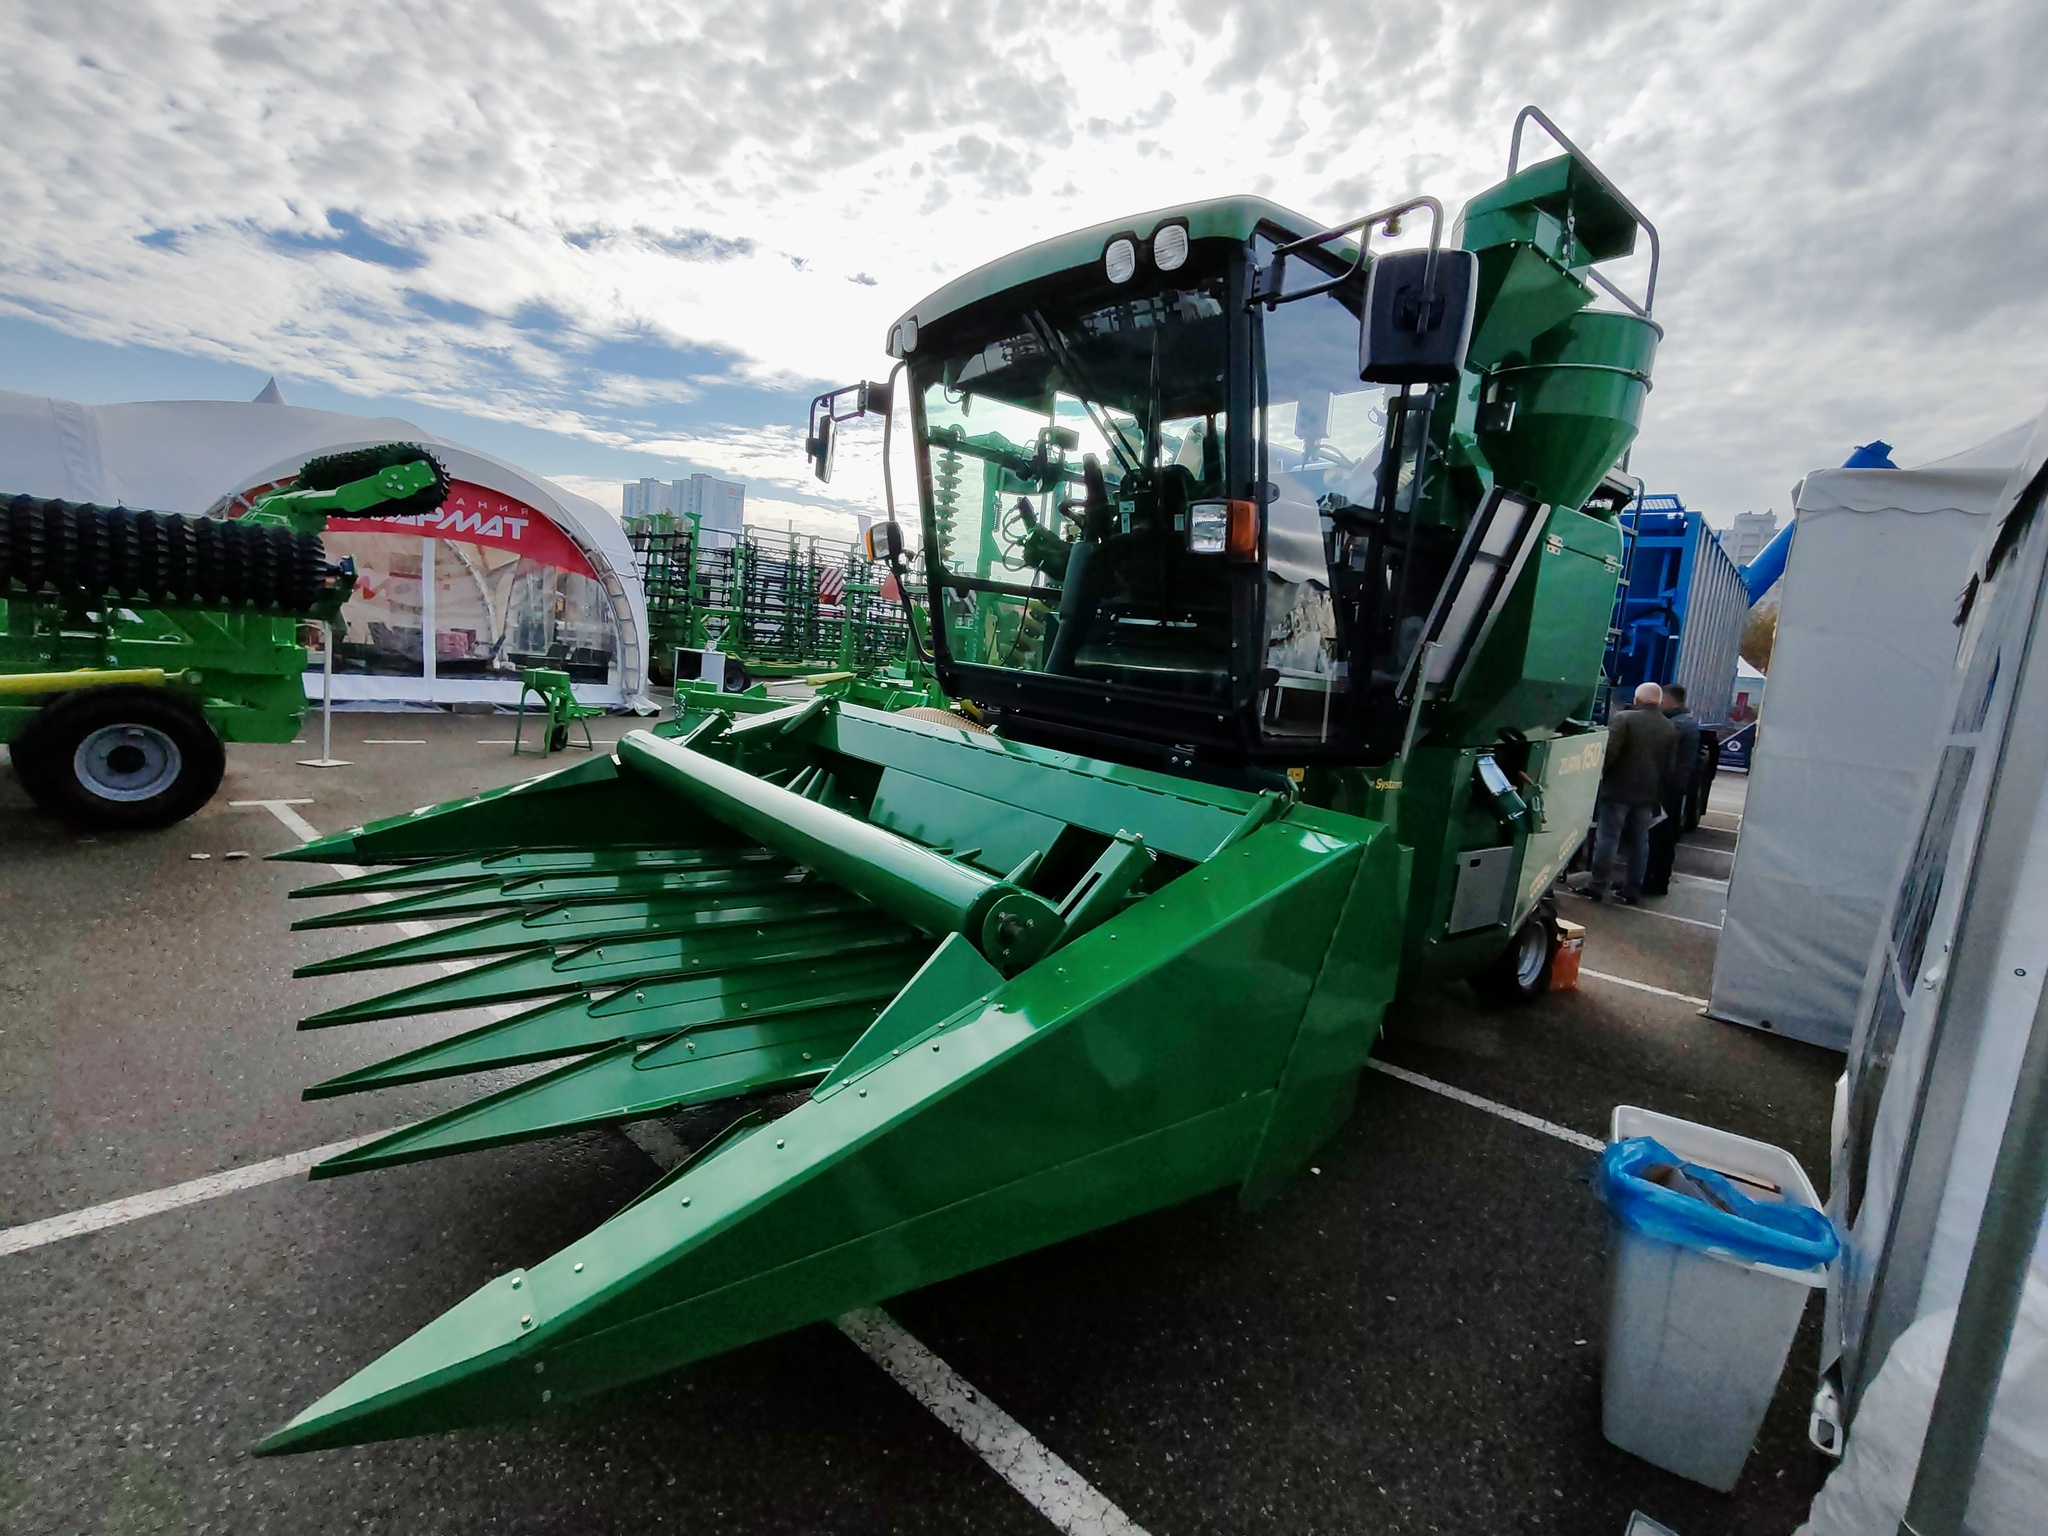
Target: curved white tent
x=508 y=555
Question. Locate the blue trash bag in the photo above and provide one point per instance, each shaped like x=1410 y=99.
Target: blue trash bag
x=1761 y=1231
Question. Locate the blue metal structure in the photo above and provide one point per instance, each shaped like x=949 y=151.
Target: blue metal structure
x=1679 y=612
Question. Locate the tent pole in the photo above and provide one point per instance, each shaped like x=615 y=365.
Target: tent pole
x=1990 y=1302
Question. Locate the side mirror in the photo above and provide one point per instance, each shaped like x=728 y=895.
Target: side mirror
x=818 y=446
x=1418 y=317
x=862 y=399
x=883 y=542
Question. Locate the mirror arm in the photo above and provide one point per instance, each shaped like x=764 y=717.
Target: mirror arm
x=888 y=395
x=1266 y=281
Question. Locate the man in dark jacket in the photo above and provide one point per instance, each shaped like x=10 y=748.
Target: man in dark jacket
x=1632 y=779
x=1678 y=792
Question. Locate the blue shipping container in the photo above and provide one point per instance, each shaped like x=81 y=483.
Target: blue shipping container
x=1679 y=613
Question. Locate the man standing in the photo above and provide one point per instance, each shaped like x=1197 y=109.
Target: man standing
x=1678 y=792
x=1632 y=779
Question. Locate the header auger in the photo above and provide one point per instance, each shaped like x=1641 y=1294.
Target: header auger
x=1277 y=576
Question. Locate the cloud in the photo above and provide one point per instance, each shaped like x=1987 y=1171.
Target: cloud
x=659 y=228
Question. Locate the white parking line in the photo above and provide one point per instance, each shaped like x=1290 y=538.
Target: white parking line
x=1012 y=1452
x=1642 y=986
x=114 y=1213
x=1501 y=1111
x=1669 y=917
x=394 y=741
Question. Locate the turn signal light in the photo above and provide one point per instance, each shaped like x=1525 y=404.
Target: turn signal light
x=1224 y=528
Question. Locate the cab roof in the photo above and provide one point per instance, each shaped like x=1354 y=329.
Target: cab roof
x=1232 y=218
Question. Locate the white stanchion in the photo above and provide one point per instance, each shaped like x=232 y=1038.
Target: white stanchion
x=326 y=759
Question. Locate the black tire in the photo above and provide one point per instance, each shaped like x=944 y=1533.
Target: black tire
x=120 y=758
x=1521 y=972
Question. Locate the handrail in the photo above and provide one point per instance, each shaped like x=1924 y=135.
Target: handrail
x=1578 y=154
x=1273 y=300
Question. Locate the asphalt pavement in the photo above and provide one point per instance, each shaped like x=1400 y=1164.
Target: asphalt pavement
x=1408 y=1341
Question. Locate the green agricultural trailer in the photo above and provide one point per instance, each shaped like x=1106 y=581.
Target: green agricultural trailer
x=779 y=604
x=134 y=643
x=1275 y=574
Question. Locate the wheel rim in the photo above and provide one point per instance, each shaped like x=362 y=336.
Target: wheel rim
x=1531 y=949
x=125 y=763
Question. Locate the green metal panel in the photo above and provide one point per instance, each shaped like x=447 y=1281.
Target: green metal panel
x=1134 y=1067
x=1541 y=664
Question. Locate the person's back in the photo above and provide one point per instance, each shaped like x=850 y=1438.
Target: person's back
x=1632 y=779
x=1640 y=743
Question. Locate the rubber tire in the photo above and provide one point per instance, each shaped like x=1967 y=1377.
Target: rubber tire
x=1502 y=984
x=44 y=751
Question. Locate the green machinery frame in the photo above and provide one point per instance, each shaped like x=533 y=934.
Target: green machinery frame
x=238 y=664
x=931 y=994
x=759 y=597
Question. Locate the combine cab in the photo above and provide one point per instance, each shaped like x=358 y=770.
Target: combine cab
x=1275 y=576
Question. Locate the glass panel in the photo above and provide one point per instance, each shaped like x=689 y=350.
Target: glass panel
x=380 y=627
x=1132 y=383
x=496 y=611
x=1322 y=431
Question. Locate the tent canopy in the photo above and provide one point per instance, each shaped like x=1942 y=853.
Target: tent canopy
x=192 y=455
x=1865 y=642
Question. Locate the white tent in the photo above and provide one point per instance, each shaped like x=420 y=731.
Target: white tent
x=195 y=456
x=1953 y=996
x=1866 y=637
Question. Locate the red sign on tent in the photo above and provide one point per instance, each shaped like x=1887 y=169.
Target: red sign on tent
x=479 y=516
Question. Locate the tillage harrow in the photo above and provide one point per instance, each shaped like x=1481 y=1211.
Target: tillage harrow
x=1270 y=576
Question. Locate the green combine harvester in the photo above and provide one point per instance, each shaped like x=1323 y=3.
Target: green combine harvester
x=1275 y=575
x=134 y=643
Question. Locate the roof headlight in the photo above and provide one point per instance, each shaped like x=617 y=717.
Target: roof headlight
x=1120 y=259
x=1170 y=247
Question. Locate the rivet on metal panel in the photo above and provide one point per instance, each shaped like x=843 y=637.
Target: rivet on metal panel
x=639 y=997
x=526 y=1322
x=807 y=1055
x=778 y=1143
x=863 y=1093
x=579 y=1267
x=516 y=1282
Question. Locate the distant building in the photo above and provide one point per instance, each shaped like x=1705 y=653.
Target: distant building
x=1746 y=540
x=719 y=504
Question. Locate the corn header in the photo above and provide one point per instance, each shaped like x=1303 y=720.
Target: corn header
x=133 y=643
x=1270 y=575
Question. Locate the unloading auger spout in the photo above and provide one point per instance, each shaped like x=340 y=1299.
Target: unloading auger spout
x=1268 y=575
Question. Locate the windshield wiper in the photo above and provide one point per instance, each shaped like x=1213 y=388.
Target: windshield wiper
x=1111 y=432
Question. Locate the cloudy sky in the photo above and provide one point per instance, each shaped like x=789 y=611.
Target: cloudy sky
x=633 y=238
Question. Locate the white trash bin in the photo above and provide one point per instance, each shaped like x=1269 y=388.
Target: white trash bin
x=1696 y=1340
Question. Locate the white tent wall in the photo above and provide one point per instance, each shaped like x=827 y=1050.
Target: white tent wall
x=1865 y=642
x=190 y=455
x=1953 y=993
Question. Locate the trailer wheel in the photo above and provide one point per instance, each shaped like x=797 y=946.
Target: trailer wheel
x=119 y=758
x=1521 y=974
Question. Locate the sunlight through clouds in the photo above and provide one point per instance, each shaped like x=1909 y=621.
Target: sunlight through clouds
x=658 y=229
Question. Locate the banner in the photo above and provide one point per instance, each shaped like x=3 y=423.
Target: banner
x=479 y=516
